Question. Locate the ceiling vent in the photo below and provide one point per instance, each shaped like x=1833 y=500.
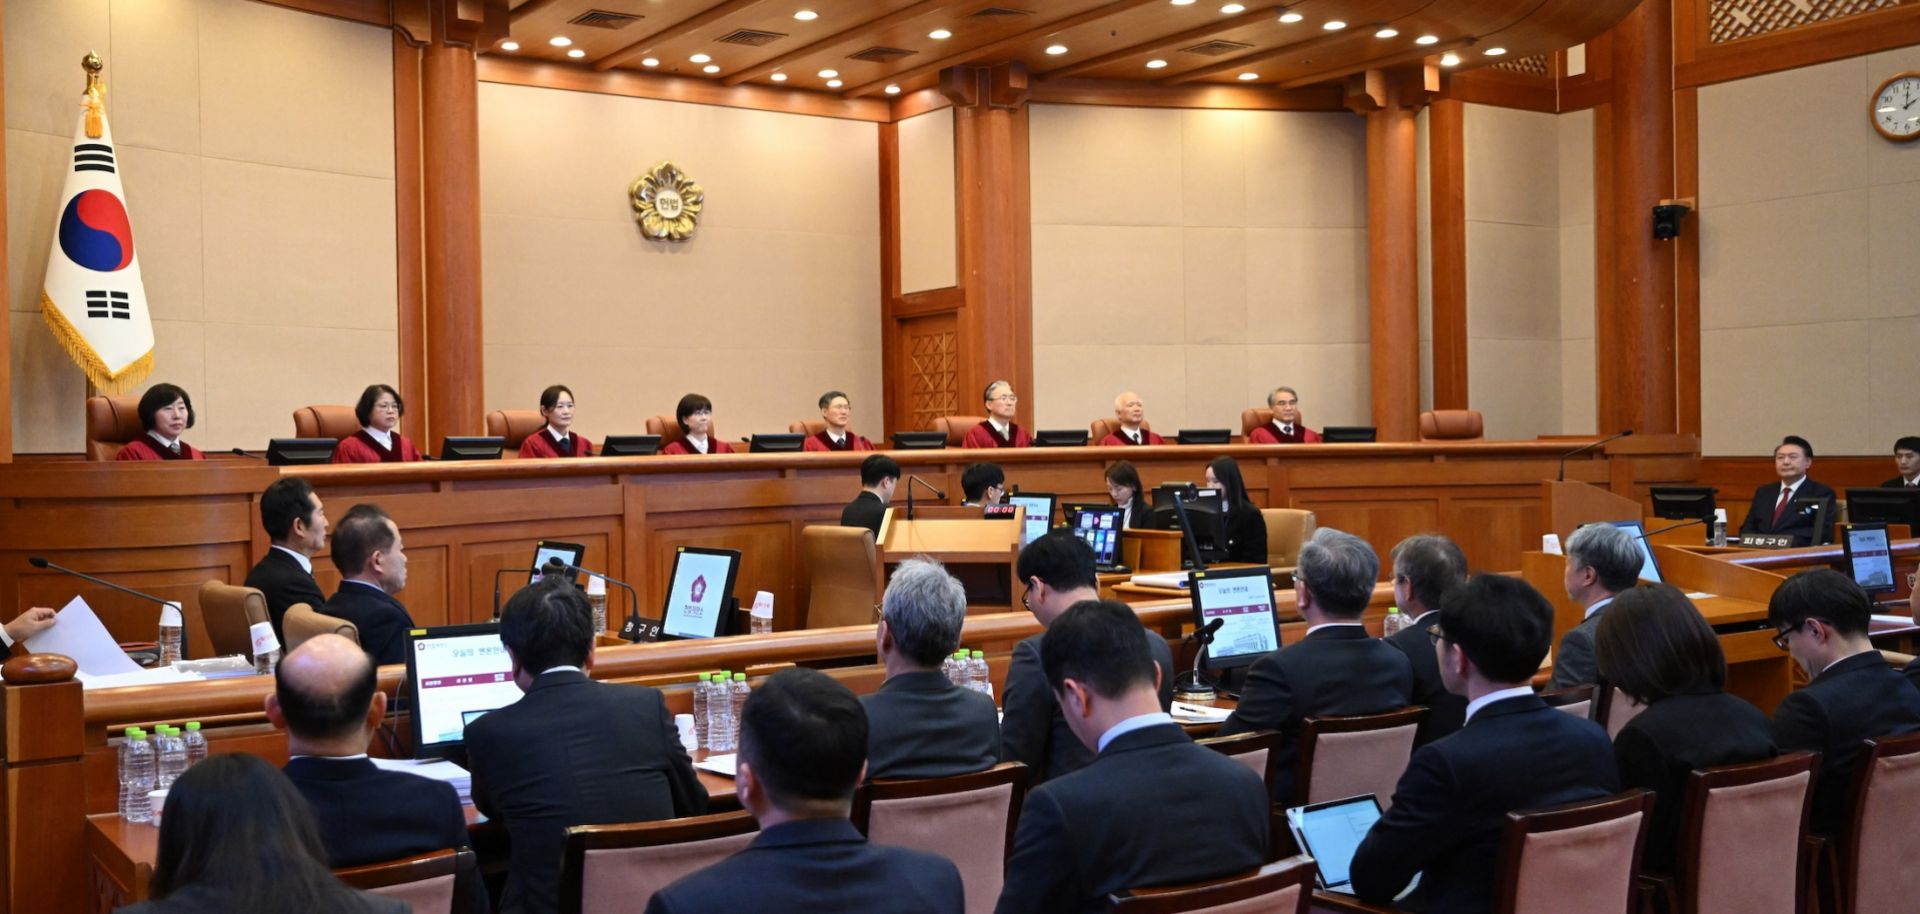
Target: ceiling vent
x=999 y=12
x=752 y=38
x=878 y=54
x=1216 y=48
x=602 y=19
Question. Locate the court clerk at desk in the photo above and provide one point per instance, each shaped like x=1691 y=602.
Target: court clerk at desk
x=1128 y=493
x=557 y=439
x=378 y=440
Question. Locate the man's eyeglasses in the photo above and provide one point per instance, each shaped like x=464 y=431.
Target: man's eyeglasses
x=1436 y=633
x=1780 y=638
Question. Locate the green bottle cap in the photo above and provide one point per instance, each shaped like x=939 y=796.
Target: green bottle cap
x=979 y=655
x=193 y=726
x=739 y=677
x=135 y=733
x=705 y=677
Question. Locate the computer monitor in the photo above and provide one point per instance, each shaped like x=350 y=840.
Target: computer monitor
x=1885 y=506
x=1869 y=557
x=294 y=452
x=1683 y=502
x=455 y=673
x=1820 y=509
x=630 y=446
x=545 y=550
x=918 y=441
x=1164 y=495
x=1349 y=434
x=1206 y=515
x=1649 y=566
x=1332 y=832
x=1099 y=527
x=781 y=443
x=1039 y=520
x=699 y=600
x=1242 y=598
x=1205 y=435
x=475 y=447
x=1060 y=437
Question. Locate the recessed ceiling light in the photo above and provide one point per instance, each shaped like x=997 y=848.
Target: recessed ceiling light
x=710 y=68
x=1246 y=77
x=1496 y=52
x=805 y=15
x=559 y=41
x=1232 y=8
x=1449 y=59
x=1387 y=32
x=1427 y=39
x=939 y=34
x=576 y=53
x=834 y=84
x=1056 y=49
x=893 y=90
x=778 y=77
x=650 y=62
x=700 y=58
x=829 y=74
x=1290 y=17
x=1156 y=64
x=1182 y=2
x=1334 y=25
x=509 y=45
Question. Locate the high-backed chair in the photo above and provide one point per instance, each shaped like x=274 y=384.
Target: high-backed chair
x=1251 y=419
x=807 y=427
x=1873 y=861
x=844 y=579
x=514 y=425
x=325 y=421
x=1451 y=425
x=1579 y=858
x=967 y=818
x=1612 y=708
x=1742 y=840
x=303 y=622
x=434 y=883
x=1355 y=754
x=1281 y=887
x=955 y=427
x=619 y=867
x=1575 y=700
x=1288 y=529
x=1253 y=749
x=1101 y=428
x=229 y=613
x=112 y=421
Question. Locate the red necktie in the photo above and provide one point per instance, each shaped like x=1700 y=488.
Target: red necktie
x=1780 y=510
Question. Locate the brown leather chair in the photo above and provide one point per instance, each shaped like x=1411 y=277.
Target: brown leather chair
x=336 y=422
x=1870 y=868
x=956 y=817
x=616 y=867
x=112 y=421
x=1451 y=425
x=843 y=577
x=1579 y=858
x=1287 y=530
x=1099 y=429
x=1253 y=749
x=429 y=883
x=955 y=427
x=1280 y=887
x=1575 y=700
x=514 y=425
x=1351 y=755
x=1742 y=843
x=228 y=614
x=303 y=622
x=1251 y=419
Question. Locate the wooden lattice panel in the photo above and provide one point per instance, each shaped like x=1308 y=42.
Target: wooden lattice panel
x=932 y=370
x=1732 y=20
x=1536 y=65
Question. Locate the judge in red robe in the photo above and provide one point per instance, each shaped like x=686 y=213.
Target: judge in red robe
x=999 y=429
x=165 y=411
x=837 y=410
x=378 y=440
x=1285 y=427
x=557 y=439
x=1130 y=411
x=695 y=415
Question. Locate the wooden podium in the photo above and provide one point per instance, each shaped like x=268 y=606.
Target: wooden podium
x=980 y=551
x=1571 y=504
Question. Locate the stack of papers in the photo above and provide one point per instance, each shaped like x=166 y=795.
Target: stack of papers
x=1199 y=714
x=718 y=764
x=164 y=675
x=434 y=769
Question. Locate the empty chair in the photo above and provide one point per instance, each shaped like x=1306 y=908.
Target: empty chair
x=619 y=867
x=1579 y=858
x=303 y=622
x=1281 y=887
x=1871 y=864
x=325 y=421
x=1354 y=754
x=967 y=818
x=514 y=425
x=1575 y=700
x=112 y=421
x=435 y=883
x=1451 y=425
x=1251 y=419
x=228 y=614
x=955 y=427
x=844 y=579
x=1742 y=844
x=1253 y=749
x=806 y=427
x=1287 y=530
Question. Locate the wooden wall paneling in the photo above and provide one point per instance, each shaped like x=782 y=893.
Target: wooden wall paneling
x=1487 y=86
x=1381 y=521
x=1686 y=304
x=495 y=68
x=1700 y=62
x=45 y=797
x=479 y=561
x=993 y=207
x=1447 y=187
x=927 y=351
x=765 y=546
x=409 y=240
x=1490 y=528
x=170 y=573
x=1127 y=93
x=1393 y=288
x=633 y=536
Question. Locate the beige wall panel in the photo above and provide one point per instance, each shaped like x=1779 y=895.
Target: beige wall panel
x=1216 y=386
x=1306 y=285
x=36 y=171
x=164 y=202
x=1886 y=162
x=322 y=242
x=1576 y=282
x=1575 y=132
x=1893 y=224
x=1512 y=166
x=1213 y=169
x=1214 y=264
x=1579 y=408
x=1784 y=134
x=1745 y=407
x=45 y=40
x=1513 y=283
x=47 y=389
x=1785 y=261
x=1105 y=283
x=180 y=357
x=153 y=75
x=305 y=365
x=1332 y=380
x=1091 y=165
x=1511 y=384
x=1306 y=170
x=928 y=251
x=1893 y=346
x=1081 y=382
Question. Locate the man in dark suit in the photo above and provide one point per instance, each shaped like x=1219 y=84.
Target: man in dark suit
x=919 y=725
x=571 y=751
x=879 y=475
x=373 y=567
x=1058 y=570
x=1337 y=668
x=1514 y=753
x=1821 y=618
x=296 y=523
x=803 y=739
x=1425 y=568
x=1152 y=808
x=324 y=696
x=1773 y=509
x=1906 y=459
x=1602 y=560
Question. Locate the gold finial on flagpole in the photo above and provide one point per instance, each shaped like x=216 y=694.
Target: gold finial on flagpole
x=96 y=95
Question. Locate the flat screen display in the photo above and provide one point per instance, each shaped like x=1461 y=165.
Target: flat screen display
x=1649 y=568
x=1099 y=527
x=699 y=596
x=1870 y=557
x=1332 y=833
x=1039 y=514
x=570 y=553
x=455 y=674
x=1242 y=598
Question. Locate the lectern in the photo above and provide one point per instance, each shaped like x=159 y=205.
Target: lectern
x=980 y=551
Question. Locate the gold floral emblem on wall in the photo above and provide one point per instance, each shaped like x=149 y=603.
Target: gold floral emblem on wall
x=666 y=203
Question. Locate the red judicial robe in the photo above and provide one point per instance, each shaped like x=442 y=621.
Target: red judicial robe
x=540 y=444
x=1271 y=434
x=985 y=435
x=824 y=442
x=145 y=448
x=714 y=446
x=361 y=447
x=1116 y=437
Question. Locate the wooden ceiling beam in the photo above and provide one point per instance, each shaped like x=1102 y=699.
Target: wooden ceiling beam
x=1246 y=60
x=685 y=26
x=878 y=23
x=1387 y=62
x=970 y=55
x=1270 y=14
x=528 y=8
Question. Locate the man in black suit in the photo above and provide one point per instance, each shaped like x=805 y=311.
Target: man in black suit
x=571 y=751
x=1337 y=668
x=879 y=474
x=324 y=696
x=1821 y=618
x=373 y=567
x=1152 y=808
x=1058 y=569
x=1906 y=459
x=1425 y=568
x=296 y=523
x=1773 y=509
x=803 y=739
x=919 y=725
x=1514 y=753
x=1602 y=560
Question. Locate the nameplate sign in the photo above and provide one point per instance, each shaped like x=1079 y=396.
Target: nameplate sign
x=1766 y=541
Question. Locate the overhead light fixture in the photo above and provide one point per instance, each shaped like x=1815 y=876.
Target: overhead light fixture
x=1427 y=39
x=1248 y=77
x=829 y=74
x=805 y=15
x=1156 y=64
x=834 y=84
x=576 y=53
x=1449 y=59
x=1495 y=52
x=1290 y=17
x=509 y=45
x=893 y=90
x=939 y=34
x=1056 y=49
x=710 y=68
x=650 y=62
x=1334 y=25
x=1233 y=8
x=1388 y=32
x=700 y=58
x=778 y=77
x=559 y=41
x=1182 y=2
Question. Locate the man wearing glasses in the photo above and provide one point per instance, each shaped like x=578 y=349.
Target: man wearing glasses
x=1285 y=427
x=1820 y=617
x=999 y=429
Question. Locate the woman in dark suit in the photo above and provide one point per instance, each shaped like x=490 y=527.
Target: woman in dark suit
x=165 y=412
x=1246 y=529
x=1130 y=495
x=236 y=836
x=1655 y=648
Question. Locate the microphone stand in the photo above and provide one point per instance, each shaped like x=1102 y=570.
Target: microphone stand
x=39 y=562
x=496 y=584
x=911 y=479
x=1585 y=448
x=1193 y=685
x=633 y=596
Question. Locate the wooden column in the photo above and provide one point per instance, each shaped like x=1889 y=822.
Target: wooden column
x=411 y=288
x=1389 y=102
x=994 y=212
x=1634 y=325
x=1447 y=188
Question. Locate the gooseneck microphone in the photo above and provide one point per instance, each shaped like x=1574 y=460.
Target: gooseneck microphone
x=496 y=584
x=1585 y=448
x=911 y=480
x=38 y=562
x=633 y=596
x=242 y=452
x=1192 y=684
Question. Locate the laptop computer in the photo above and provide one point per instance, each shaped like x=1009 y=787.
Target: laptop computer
x=1332 y=832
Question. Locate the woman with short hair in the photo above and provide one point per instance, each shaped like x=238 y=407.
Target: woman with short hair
x=557 y=439
x=379 y=439
x=165 y=412
x=695 y=415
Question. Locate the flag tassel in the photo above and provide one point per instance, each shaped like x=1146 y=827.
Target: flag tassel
x=89 y=361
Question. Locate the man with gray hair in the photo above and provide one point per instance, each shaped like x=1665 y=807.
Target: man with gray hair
x=1602 y=560
x=1337 y=668
x=1425 y=568
x=919 y=725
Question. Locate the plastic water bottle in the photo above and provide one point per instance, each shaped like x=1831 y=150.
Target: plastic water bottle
x=172 y=626
x=1393 y=623
x=266 y=648
x=702 y=719
x=172 y=756
x=196 y=744
x=978 y=679
x=720 y=714
x=1717 y=535
x=946 y=669
x=761 y=619
x=740 y=692
x=136 y=777
x=597 y=598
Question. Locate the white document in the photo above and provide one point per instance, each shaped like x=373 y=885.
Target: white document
x=718 y=764
x=1191 y=713
x=79 y=634
x=437 y=769
x=1177 y=580
x=162 y=675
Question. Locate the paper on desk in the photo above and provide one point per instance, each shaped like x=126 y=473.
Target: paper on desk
x=718 y=764
x=77 y=633
x=163 y=675
x=1189 y=713
x=437 y=769
x=1173 y=579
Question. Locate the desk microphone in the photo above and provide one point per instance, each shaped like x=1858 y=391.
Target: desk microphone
x=633 y=596
x=242 y=452
x=38 y=562
x=911 y=479
x=1585 y=448
x=496 y=584
x=1192 y=685
x=1684 y=523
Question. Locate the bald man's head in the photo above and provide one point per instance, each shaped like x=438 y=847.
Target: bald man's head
x=1129 y=409
x=324 y=688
